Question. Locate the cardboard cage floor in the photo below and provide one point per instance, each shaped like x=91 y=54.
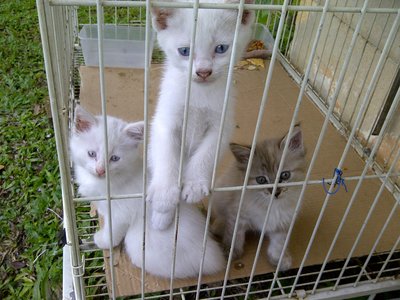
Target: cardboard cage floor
x=124 y=93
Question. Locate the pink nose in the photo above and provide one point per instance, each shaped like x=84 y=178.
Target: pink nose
x=100 y=171
x=204 y=73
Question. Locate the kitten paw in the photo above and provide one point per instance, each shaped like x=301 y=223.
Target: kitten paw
x=237 y=253
x=161 y=220
x=164 y=198
x=101 y=240
x=193 y=191
x=285 y=264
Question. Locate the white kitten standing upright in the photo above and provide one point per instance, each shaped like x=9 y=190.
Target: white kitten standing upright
x=211 y=56
x=125 y=171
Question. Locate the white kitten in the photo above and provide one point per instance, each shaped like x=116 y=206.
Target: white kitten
x=159 y=246
x=212 y=52
x=125 y=169
x=255 y=203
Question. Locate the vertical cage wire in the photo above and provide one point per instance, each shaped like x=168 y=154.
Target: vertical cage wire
x=259 y=119
x=323 y=47
x=337 y=118
x=324 y=127
x=367 y=98
x=307 y=14
x=342 y=47
x=220 y=132
x=280 y=167
x=147 y=60
x=377 y=240
x=56 y=101
x=360 y=59
x=350 y=78
x=383 y=268
x=366 y=168
x=183 y=141
x=365 y=79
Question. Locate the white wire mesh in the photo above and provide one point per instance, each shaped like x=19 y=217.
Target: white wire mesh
x=58 y=28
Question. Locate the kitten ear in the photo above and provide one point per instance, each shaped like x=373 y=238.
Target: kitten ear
x=84 y=120
x=248 y=15
x=160 y=17
x=296 y=140
x=240 y=152
x=135 y=131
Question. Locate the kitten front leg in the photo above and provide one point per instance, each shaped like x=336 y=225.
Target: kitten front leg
x=275 y=247
x=163 y=191
x=198 y=171
x=119 y=229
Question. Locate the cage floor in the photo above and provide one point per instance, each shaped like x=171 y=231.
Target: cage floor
x=124 y=91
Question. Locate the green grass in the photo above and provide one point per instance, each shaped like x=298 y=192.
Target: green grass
x=30 y=260
x=272 y=20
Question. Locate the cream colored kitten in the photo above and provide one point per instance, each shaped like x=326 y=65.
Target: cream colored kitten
x=255 y=203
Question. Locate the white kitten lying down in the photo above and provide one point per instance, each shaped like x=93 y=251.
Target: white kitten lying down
x=125 y=171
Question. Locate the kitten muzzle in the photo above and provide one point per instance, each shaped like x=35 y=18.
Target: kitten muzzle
x=277 y=192
x=203 y=74
x=100 y=171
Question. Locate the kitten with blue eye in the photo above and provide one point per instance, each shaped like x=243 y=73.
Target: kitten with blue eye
x=211 y=56
x=267 y=157
x=88 y=156
x=126 y=177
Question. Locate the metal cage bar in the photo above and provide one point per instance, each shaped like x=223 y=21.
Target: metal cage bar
x=286 y=147
x=55 y=43
x=367 y=165
x=259 y=119
x=352 y=134
x=55 y=83
x=100 y=34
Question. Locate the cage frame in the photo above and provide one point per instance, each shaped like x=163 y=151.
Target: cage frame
x=61 y=92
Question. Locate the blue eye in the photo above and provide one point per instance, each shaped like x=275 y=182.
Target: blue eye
x=92 y=154
x=221 y=48
x=114 y=158
x=184 y=51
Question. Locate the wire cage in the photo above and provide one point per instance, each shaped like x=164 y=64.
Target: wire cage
x=334 y=65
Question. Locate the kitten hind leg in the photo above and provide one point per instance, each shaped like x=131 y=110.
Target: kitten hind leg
x=240 y=238
x=162 y=220
x=102 y=237
x=275 y=247
x=217 y=227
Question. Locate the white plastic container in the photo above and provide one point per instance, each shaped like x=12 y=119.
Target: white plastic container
x=123 y=45
x=261 y=32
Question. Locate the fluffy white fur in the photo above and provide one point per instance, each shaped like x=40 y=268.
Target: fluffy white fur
x=214 y=28
x=125 y=174
x=159 y=246
x=127 y=222
x=255 y=203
